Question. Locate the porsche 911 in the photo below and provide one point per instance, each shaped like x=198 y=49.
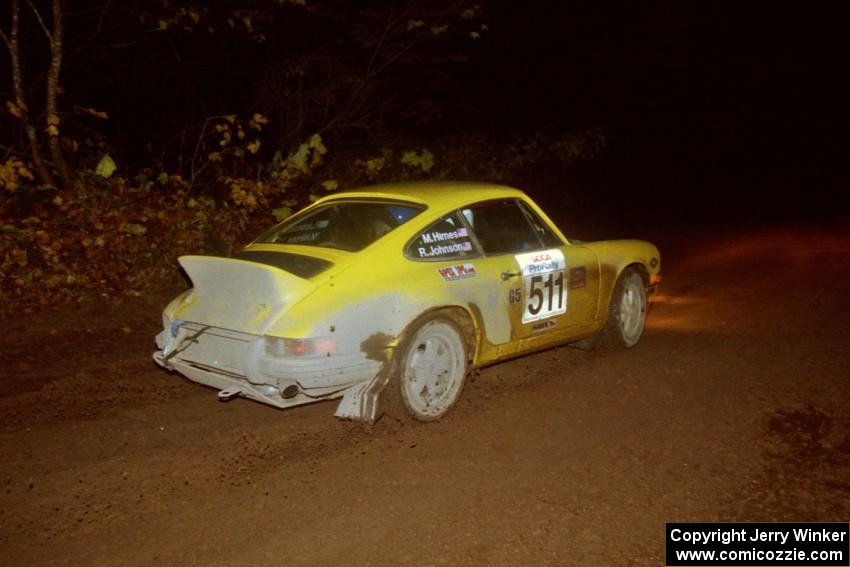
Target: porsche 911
x=387 y=297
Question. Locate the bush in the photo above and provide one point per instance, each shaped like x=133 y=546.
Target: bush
x=109 y=235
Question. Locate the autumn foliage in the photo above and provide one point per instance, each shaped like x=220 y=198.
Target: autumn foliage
x=100 y=195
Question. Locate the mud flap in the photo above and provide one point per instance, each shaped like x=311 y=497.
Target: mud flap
x=362 y=402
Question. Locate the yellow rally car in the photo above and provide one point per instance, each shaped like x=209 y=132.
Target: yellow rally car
x=387 y=296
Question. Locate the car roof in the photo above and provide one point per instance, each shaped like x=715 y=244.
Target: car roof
x=438 y=194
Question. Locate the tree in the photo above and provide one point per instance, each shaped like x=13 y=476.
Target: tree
x=20 y=107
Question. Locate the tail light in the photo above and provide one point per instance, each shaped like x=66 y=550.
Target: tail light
x=283 y=347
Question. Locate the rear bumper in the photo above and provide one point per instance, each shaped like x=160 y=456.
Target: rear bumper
x=265 y=393
x=359 y=401
x=236 y=364
x=243 y=357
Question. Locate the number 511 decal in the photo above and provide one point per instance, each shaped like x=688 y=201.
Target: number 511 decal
x=543 y=290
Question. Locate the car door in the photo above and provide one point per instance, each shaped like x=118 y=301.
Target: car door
x=548 y=287
x=581 y=273
x=447 y=267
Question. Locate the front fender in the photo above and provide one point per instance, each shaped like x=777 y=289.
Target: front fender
x=614 y=257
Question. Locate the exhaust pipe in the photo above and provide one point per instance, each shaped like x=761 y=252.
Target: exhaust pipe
x=289 y=392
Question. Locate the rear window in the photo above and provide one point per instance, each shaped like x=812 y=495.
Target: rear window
x=350 y=226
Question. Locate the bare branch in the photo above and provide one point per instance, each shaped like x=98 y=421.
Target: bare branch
x=9 y=151
x=119 y=45
x=5 y=39
x=87 y=10
x=192 y=173
x=52 y=106
x=41 y=22
x=371 y=72
x=20 y=100
x=400 y=53
x=103 y=12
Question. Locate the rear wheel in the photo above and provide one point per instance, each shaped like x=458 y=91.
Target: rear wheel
x=429 y=371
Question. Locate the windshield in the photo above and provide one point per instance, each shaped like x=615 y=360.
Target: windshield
x=349 y=226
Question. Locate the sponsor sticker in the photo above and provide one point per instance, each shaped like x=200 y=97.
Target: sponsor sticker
x=308 y=226
x=305 y=237
x=542 y=325
x=458 y=272
x=438 y=236
x=444 y=249
x=578 y=277
x=544 y=291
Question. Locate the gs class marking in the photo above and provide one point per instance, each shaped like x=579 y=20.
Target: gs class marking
x=515 y=296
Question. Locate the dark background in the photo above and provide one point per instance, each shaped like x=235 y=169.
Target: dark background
x=734 y=407
x=715 y=107
x=710 y=109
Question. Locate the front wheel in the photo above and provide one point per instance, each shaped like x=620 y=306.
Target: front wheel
x=627 y=311
x=626 y=314
x=431 y=369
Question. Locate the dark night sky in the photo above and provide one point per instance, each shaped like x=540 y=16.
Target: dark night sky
x=748 y=101
x=741 y=101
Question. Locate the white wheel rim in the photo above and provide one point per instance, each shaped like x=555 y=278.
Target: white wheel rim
x=632 y=310
x=434 y=369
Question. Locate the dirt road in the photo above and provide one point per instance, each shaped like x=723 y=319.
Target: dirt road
x=733 y=407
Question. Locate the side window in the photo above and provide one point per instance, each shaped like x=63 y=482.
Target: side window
x=547 y=237
x=446 y=239
x=502 y=228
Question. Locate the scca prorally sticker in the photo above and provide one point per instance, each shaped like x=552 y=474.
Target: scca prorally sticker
x=544 y=290
x=459 y=272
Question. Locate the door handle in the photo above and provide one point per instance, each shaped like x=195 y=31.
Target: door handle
x=508 y=275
